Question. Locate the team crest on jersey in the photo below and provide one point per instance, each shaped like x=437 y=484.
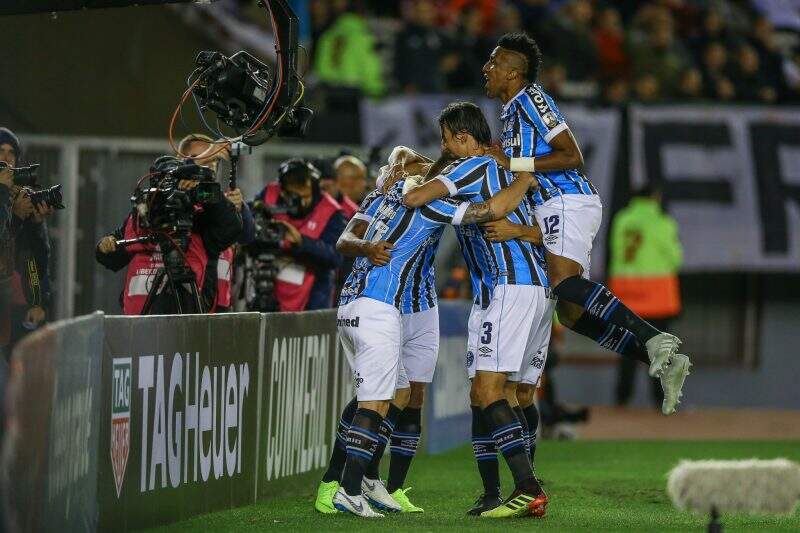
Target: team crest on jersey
x=121 y=376
x=469 y=359
x=550 y=119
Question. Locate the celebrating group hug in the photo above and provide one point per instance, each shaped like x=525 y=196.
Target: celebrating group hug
x=525 y=216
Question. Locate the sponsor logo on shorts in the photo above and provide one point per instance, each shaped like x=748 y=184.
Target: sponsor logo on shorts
x=485 y=351
x=348 y=322
x=469 y=359
x=551 y=239
x=357 y=379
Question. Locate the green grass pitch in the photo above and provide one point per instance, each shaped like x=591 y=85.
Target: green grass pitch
x=593 y=486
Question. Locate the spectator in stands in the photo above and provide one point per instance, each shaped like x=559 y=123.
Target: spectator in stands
x=609 y=37
x=716 y=75
x=645 y=257
x=749 y=82
x=791 y=73
x=660 y=54
x=770 y=58
x=554 y=76
x=6 y=256
x=346 y=56
x=468 y=47
x=712 y=29
x=573 y=42
x=691 y=85
x=647 y=88
x=419 y=50
x=616 y=92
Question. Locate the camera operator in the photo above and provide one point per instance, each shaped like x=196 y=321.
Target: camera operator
x=196 y=146
x=306 y=277
x=215 y=226
x=29 y=251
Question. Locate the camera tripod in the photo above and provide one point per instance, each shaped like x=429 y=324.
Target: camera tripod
x=175 y=278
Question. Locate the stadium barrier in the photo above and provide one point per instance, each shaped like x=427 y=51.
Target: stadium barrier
x=120 y=423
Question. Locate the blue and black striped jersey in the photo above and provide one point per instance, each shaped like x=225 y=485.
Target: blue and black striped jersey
x=407 y=281
x=530 y=121
x=514 y=262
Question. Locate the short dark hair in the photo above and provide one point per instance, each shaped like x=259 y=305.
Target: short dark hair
x=296 y=171
x=524 y=44
x=466 y=117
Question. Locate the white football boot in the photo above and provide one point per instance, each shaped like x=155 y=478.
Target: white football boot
x=356 y=505
x=672 y=382
x=377 y=495
x=660 y=350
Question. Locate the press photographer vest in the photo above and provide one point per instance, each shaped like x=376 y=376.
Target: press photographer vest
x=224 y=273
x=146 y=260
x=291 y=289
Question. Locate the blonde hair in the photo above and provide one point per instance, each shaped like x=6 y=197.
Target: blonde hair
x=200 y=137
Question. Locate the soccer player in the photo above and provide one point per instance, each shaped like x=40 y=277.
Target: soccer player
x=369 y=317
x=402 y=425
x=508 y=329
x=568 y=210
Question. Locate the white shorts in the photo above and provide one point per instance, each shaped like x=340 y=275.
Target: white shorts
x=537 y=347
x=569 y=223
x=420 y=347
x=507 y=333
x=371 y=335
x=473 y=332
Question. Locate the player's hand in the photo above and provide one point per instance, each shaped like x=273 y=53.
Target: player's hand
x=107 y=244
x=35 y=315
x=496 y=153
x=236 y=198
x=502 y=230
x=41 y=211
x=292 y=234
x=22 y=207
x=379 y=252
x=528 y=176
x=394 y=174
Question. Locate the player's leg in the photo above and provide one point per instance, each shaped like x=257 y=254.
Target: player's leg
x=506 y=328
x=404 y=443
x=333 y=475
x=372 y=487
x=527 y=404
x=483 y=446
x=419 y=354
x=374 y=337
x=570 y=223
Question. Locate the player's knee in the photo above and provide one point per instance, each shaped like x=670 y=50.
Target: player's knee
x=379 y=406
x=568 y=313
x=510 y=392
x=489 y=387
x=401 y=397
x=417 y=395
x=525 y=394
x=474 y=397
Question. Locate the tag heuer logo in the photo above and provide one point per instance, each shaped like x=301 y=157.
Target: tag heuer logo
x=121 y=375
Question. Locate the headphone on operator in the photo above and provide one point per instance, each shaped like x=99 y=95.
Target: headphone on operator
x=296 y=165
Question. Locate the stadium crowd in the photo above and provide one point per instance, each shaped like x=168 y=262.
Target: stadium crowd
x=605 y=52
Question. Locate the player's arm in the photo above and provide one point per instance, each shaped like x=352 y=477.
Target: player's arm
x=505 y=230
x=425 y=193
x=500 y=204
x=351 y=243
x=566 y=155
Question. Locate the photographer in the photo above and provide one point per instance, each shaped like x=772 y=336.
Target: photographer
x=215 y=225
x=204 y=151
x=306 y=276
x=29 y=251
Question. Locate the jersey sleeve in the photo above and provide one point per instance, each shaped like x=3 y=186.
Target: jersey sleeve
x=445 y=211
x=464 y=178
x=369 y=206
x=537 y=110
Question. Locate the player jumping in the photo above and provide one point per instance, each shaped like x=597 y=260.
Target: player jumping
x=568 y=210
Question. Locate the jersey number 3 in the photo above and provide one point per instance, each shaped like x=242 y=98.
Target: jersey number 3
x=550 y=224
x=486 y=338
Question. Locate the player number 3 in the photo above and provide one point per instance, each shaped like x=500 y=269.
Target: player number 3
x=486 y=338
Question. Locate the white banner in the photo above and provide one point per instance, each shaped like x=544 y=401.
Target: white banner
x=412 y=121
x=731 y=178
